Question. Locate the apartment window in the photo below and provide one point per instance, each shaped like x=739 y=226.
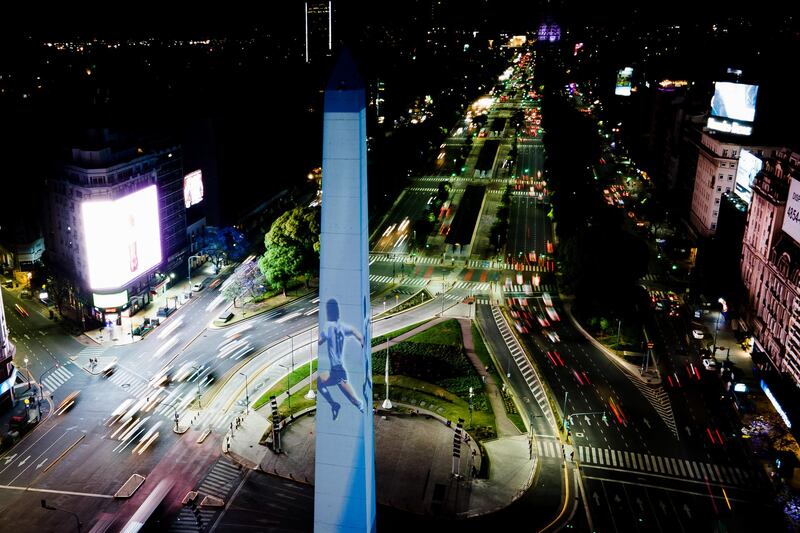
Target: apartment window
x=719 y=188
x=727 y=189
x=725 y=152
x=733 y=154
x=716 y=201
x=714 y=226
x=730 y=177
x=714 y=213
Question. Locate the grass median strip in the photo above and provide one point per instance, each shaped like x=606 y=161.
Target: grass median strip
x=280 y=387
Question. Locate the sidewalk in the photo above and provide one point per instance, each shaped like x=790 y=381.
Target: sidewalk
x=176 y=297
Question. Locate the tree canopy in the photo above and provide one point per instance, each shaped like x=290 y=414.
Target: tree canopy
x=292 y=247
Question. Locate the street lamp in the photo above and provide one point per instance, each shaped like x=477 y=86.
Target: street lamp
x=246 y=395
x=189 y=272
x=470 y=406
x=387 y=403
x=310 y=395
x=51 y=508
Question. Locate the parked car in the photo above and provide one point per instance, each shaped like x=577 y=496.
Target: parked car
x=698 y=334
x=197 y=287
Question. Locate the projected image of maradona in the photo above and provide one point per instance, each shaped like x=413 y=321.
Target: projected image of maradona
x=334 y=335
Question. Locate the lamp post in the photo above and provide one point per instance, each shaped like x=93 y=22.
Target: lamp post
x=310 y=395
x=246 y=395
x=387 y=403
x=470 y=406
x=189 y=272
x=51 y=508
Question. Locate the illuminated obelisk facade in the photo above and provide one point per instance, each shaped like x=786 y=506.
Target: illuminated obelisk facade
x=344 y=495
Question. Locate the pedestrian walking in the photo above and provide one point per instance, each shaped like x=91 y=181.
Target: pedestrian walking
x=231 y=426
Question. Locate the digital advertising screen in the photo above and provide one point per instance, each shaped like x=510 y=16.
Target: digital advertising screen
x=791 y=218
x=624 y=76
x=106 y=301
x=734 y=101
x=193 y=188
x=121 y=237
x=749 y=166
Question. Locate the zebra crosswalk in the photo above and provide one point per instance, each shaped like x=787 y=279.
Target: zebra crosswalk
x=91 y=351
x=219 y=482
x=55 y=378
x=416 y=282
x=651 y=277
x=527 y=289
x=403 y=258
x=485 y=264
x=134 y=385
x=656 y=464
x=471 y=285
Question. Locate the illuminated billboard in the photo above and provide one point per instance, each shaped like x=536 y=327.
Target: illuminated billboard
x=791 y=218
x=749 y=166
x=624 y=76
x=193 y=188
x=733 y=107
x=121 y=238
x=107 y=301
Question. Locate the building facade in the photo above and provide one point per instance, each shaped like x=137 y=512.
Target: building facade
x=770 y=266
x=8 y=373
x=715 y=174
x=118 y=173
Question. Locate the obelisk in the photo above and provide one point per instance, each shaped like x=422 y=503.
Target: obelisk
x=344 y=492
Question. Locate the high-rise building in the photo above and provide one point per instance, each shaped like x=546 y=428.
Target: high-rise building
x=319 y=30
x=7 y=371
x=115 y=224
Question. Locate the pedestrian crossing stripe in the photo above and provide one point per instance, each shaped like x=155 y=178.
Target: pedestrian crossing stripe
x=521 y=360
x=660 y=465
x=56 y=378
x=417 y=282
x=219 y=481
x=403 y=258
x=472 y=285
x=477 y=263
x=520 y=289
x=651 y=277
x=658 y=398
x=129 y=382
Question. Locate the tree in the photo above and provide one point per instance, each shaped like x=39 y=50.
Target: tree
x=220 y=243
x=292 y=247
x=279 y=265
x=247 y=279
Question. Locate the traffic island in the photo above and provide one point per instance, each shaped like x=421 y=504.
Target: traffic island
x=130 y=486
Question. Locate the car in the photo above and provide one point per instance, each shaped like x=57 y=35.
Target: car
x=698 y=334
x=548 y=301
x=197 y=287
x=552 y=335
x=710 y=364
x=551 y=312
x=21 y=310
